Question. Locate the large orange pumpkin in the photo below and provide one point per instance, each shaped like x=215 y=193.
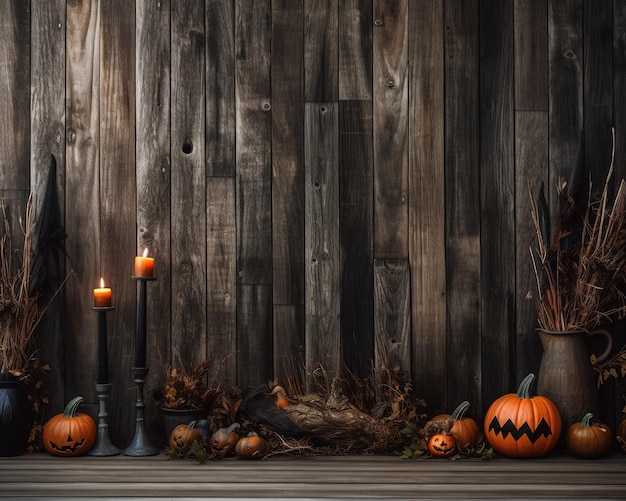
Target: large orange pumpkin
x=589 y=439
x=71 y=433
x=520 y=426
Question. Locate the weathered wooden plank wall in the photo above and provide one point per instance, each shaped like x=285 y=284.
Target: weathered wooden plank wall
x=320 y=181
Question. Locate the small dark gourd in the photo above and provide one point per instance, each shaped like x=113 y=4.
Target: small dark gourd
x=183 y=437
x=442 y=445
x=70 y=433
x=223 y=441
x=520 y=426
x=251 y=446
x=589 y=439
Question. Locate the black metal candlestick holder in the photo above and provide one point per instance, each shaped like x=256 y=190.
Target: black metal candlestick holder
x=140 y=445
x=103 y=445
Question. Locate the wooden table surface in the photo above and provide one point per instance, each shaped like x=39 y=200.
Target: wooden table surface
x=41 y=476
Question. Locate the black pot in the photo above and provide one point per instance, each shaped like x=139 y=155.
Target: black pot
x=173 y=417
x=16 y=416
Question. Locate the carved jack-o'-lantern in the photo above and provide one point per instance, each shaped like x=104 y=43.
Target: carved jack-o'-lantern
x=442 y=445
x=223 y=441
x=183 y=437
x=70 y=433
x=520 y=426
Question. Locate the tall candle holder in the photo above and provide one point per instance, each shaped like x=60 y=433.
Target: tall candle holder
x=103 y=445
x=140 y=445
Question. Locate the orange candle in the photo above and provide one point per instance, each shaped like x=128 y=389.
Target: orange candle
x=102 y=296
x=144 y=266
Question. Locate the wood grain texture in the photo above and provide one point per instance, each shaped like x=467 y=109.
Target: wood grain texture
x=254 y=335
x=531 y=54
x=497 y=197
x=390 y=129
x=220 y=87
x=321 y=46
x=222 y=277
x=14 y=95
x=47 y=139
x=348 y=477
x=427 y=256
x=82 y=191
x=356 y=229
x=152 y=67
x=566 y=89
x=254 y=144
x=322 y=252
x=462 y=202
x=531 y=146
x=392 y=317
x=287 y=154
x=289 y=351
x=355 y=49
x=619 y=87
x=188 y=184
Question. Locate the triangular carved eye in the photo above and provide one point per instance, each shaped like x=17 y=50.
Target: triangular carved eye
x=69 y=438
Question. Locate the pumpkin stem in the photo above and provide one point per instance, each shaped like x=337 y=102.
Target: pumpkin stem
x=192 y=425
x=586 y=420
x=459 y=412
x=233 y=427
x=72 y=406
x=523 y=391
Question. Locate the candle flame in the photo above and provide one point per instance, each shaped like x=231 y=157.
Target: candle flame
x=101 y=283
x=145 y=252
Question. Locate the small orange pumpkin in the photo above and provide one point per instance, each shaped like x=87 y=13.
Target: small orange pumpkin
x=464 y=429
x=183 y=437
x=251 y=446
x=70 y=433
x=520 y=426
x=589 y=439
x=442 y=444
x=223 y=441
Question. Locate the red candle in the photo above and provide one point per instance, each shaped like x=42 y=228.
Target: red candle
x=144 y=266
x=102 y=296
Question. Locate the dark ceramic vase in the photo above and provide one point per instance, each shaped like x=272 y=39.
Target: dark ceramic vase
x=173 y=417
x=16 y=416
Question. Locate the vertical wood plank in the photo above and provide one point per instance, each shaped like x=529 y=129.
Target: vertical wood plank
x=321 y=45
x=619 y=86
x=565 y=88
x=153 y=182
x=289 y=351
x=222 y=277
x=531 y=147
x=118 y=196
x=392 y=313
x=322 y=255
x=188 y=185
x=390 y=129
x=356 y=185
x=254 y=330
x=47 y=138
x=497 y=191
x=427 y=255
x=355 y=49
x=220 y=87
x=598 y=89
x=14 y=96
x=530 y=30
x=254 y=174
x=82 y=195
x=462 y=202
x=287 y=154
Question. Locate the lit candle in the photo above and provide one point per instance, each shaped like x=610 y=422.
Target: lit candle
x=144 y=266
x=102 y=296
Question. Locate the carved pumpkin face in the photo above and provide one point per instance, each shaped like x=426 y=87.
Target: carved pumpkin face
x=183 y=437
x=70 y=433
x=441 y=445
x=223 y=441
x=520 y=426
